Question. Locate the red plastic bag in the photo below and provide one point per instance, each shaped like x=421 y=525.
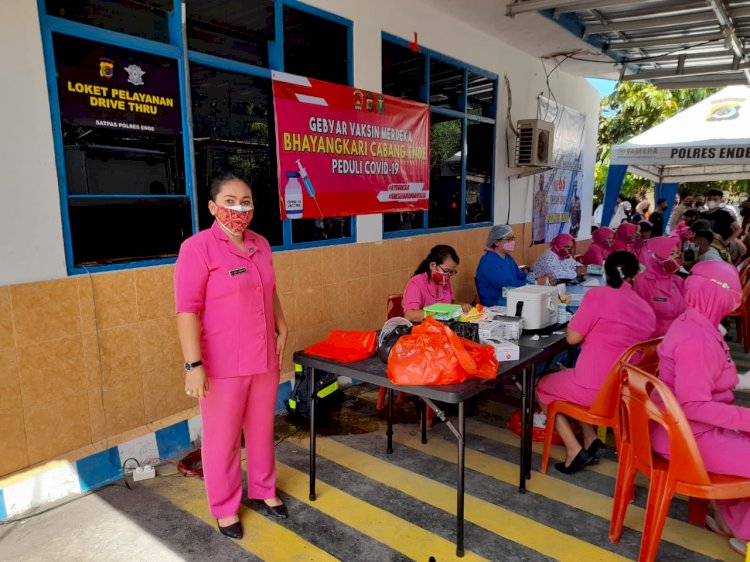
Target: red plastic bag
x=434 y=355
x=345 y=346
x=538 y=433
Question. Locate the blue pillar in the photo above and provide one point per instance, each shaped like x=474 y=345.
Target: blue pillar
x=615 y=177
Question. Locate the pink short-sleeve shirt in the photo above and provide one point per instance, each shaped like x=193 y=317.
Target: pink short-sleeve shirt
x=611 y=320
x=232 y=292
x=420 y=291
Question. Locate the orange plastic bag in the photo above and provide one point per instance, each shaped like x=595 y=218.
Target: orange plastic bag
x=434 y=355
x=345 y=346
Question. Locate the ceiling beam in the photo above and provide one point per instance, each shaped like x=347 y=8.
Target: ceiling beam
x=734 y=79
x=688 y=71
x=727 y=25
x=521 y=7
x=649 y=23
x=665 y=41
x=688 y=58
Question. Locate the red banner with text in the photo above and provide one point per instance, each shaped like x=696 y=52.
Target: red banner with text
x=346 y=151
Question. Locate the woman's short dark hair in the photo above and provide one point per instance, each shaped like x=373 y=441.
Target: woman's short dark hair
x=438 y=254
x=691 y=213
x=219 y=181
x=619 y=266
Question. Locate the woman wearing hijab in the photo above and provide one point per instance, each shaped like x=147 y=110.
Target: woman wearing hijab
x=609 y=320
x=601 y=246
x=658 y=285
x=642 y=209
x=621 y=214
x=695 y=364
x=625 y=237
x=557 y=261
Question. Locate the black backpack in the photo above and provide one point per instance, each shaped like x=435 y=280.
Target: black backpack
x=326 y=390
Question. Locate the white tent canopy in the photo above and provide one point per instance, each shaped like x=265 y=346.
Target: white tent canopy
x=709 y=141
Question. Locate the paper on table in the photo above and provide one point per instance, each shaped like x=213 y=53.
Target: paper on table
x=591 y=283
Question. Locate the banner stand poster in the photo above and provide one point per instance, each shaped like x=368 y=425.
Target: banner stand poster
x=345 y=151
x=557 y=192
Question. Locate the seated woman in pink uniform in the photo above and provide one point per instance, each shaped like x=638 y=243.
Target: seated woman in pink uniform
x=694 y=363
x=658 y=285
x=609 y=320
x=625 y=237
x=601 y=246
x=431 y=282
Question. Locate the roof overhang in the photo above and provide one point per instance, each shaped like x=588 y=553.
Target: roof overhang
x=671 y=43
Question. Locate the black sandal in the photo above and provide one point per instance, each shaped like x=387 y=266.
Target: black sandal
x=596 y=450
x=581 y=460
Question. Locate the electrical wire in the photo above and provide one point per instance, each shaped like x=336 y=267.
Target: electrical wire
x=124 y=476
x=508 y=125
x=640 y=59
x=287 y=436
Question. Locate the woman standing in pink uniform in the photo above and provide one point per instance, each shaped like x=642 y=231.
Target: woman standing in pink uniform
x=658 y=285
x=232 y=330
x=601 y=246
x=609 y=320
x=694 y=362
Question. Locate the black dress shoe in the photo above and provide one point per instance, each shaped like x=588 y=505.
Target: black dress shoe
x=581 y=460
x=276 y=512
x=233 y=531
x=596 y=450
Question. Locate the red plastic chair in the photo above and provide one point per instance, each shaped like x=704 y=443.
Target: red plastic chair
x=603 y=412
x=742 y=318
x=393 y=307
x=684 y=473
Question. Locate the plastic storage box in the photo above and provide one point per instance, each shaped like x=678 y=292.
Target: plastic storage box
x=539 y=305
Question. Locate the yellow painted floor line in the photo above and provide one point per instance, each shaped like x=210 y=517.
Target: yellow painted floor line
x=507 y=437
x=497 y=520
x=263 y=538
x=401 y=535
x=677 y=532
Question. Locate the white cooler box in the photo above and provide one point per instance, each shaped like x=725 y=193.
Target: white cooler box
x=539 y=305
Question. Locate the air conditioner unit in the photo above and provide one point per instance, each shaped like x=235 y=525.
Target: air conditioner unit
x=534 y=143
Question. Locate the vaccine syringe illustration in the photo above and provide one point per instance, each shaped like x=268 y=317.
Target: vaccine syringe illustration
x=308 y=185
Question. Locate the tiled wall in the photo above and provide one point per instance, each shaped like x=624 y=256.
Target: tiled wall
x=87 y=359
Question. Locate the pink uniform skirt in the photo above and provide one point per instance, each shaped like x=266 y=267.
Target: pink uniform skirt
x=562 y=386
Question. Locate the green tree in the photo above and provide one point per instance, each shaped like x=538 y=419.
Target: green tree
x=633 y=108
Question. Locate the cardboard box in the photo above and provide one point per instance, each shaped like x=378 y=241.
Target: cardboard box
x=490 y=329
x=504 y=350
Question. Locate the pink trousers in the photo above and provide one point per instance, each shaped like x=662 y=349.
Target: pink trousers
x=232 y=407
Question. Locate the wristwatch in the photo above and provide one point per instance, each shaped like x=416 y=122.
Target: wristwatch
x=190 y=366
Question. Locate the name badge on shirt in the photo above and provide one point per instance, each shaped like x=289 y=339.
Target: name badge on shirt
x=238 y=271
x=660 y=299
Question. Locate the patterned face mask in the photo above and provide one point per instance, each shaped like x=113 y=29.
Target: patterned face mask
x=235 y=218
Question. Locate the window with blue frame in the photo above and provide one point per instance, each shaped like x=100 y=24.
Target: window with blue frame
x=462 y=103
x=232 y=103
x=120 y=171
x=118 y=87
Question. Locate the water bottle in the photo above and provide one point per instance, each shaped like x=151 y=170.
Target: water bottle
x=530 y=278
x=293 y=196
x=562 y=313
